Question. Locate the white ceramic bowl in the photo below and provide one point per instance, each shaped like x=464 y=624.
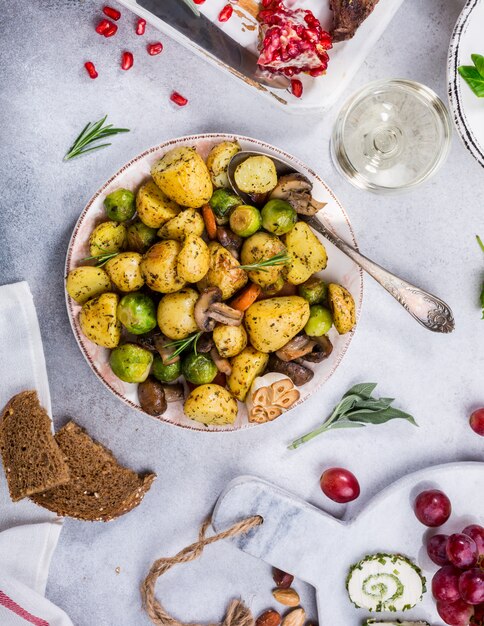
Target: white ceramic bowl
x=340 y=269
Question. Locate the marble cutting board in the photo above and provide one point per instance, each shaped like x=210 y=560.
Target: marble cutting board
x=319 y=549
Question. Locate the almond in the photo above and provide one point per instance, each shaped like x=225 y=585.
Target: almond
x=288 y=597
x=282 y=579
x=295 y=618
x=268 y=618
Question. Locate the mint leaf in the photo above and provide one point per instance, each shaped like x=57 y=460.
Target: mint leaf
x=473 y=78
x=478 y=61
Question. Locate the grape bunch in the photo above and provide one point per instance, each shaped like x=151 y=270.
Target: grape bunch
x=458 y=586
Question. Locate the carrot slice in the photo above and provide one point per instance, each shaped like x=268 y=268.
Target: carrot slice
x=243 y=301
x=210 y=221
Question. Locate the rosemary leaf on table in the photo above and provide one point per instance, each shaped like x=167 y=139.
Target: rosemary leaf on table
x=481 y=298
x=356 y=409
x=90 y=134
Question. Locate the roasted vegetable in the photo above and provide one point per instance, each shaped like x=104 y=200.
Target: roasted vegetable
x=245 y=367
x=193 y=259
x=296 y=189
x=159 y=267
x=209 y=309
x=137 y=313
x=319 y=322
x=229 y=340
x=98 y=321
x=153 y=206
x=308 y=255
x=131 y=362
x=87 y=282
x=223 y=201
x=211 y=404
x=229 y=240
x=259 y=247
x=224 y=272
x=218 y=160
x=176 y=314
x=314 y=290
x=299 y=374
x=186 y=222
x=106 y=238
x=198 y=369
x=120 y=205
x=182 y=175
x=256 y=175
x=165 y=373
x=245 y=220
x=151 y=396
x=278 y=217
x=342 y=306
x=140 y=237
x=125 y=272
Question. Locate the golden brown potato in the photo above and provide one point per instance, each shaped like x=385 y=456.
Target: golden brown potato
x=211 y=404
x=193 y=259
x=106 y=238
x=218 y=160
x=98 y=322
x=175 y=314
x=153 y=206
x=224 y=272
x=183 y=176
x=257 y=248
x=86 y=282
x=158 y=267
x=187 y=221
x=308 y=255
x=273 y=322
x=229 y=340
x=342 y=307
x=256 y=174
x=125 y=271
x=246 y=366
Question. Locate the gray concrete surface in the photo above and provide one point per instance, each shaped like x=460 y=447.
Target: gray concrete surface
x=427 y=236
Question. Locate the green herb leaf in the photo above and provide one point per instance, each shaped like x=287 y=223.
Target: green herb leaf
x=478 y=61
x=362 y=389
x=192 y=6
x=92 y=132
x=180 y=345
x=101 y=259
x=481 y=297
x=278 y=259
x=473 y=78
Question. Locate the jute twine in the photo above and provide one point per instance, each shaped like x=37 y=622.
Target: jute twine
x=238 y=614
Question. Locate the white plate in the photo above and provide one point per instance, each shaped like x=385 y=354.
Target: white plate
x=320 y=93
x=340 y=268
x=467 y=108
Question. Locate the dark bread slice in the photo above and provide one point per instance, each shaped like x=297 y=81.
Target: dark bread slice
x=99 y=489
x=32 y=459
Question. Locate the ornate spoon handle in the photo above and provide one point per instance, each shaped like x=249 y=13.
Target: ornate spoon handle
x=427 y=309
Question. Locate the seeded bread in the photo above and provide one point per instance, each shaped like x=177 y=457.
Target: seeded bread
x=99 y=489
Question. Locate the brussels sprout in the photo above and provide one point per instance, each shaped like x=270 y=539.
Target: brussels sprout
x=120 y=205
x=274 y=288
x=131 y=363
x=199 y=369
x=137 y=313
x=245 y=220
x=165 y=373
x=319 y=322
x=314 y=290
x=222 y=201
x=140 y=237
x=278 y=217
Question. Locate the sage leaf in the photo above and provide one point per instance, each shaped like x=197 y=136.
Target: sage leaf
x=362 y=389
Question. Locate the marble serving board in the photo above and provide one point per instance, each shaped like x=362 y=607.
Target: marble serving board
x=319 y=549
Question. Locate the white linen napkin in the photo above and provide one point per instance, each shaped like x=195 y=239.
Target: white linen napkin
x=28 y=533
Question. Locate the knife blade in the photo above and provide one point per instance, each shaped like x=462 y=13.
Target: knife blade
x=201 y=31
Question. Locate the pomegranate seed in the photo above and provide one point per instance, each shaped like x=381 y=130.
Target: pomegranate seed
x=177 y=98
x=154 y=48
x=112 y=30
x=198 y=1
x=226 y=13
x=103 y=26
x=91 y=69
x=127 y=60
x=114 y=14
x=140 y=26
x=296 y=87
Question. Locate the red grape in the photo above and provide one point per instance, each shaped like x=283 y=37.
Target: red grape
x=479 y=615
x=455 y=613
x=461 y=550
x=432 y=507
x=340 y=485
x=476 y=532
x=476 y=421
x=436 y=549
x=445 y=584
x=471 y=586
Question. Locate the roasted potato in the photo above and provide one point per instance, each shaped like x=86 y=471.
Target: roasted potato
x=224 y=272
x=246 y=366
x=98 y=320
x=106 y=238
x=125 y=272
x=187 y=221
x=343 y=308
x=218 y=160
x=211 y=404
x=258 y=247
x=84 y=283
x=256 y=175
x=183 y=176
x=308 y=255
x=273 y=322
x=229 y=340
x=158 y=267
x=175 y=314
x=153 y=206
x=193 y=259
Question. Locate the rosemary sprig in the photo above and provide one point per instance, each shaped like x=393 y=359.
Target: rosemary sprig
x=481 y=297
x=183 y=344
x=101 y=259
x=192 y=6
x=92 y=132
x=356 y=409
x=278 y=259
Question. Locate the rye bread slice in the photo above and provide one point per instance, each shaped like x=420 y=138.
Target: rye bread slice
x=99 y=489
x=32 y=459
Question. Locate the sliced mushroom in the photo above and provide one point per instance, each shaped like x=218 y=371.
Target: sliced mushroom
x=229 y=240
x=299 y=374
x=321 y=350
x=298 y=346
x=210 y=309
x=296 y=189
x=161 y=344
x=173 y=393
x=205 y=343
x=223 y=365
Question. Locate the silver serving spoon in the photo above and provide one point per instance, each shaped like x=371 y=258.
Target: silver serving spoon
x=427 y=309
